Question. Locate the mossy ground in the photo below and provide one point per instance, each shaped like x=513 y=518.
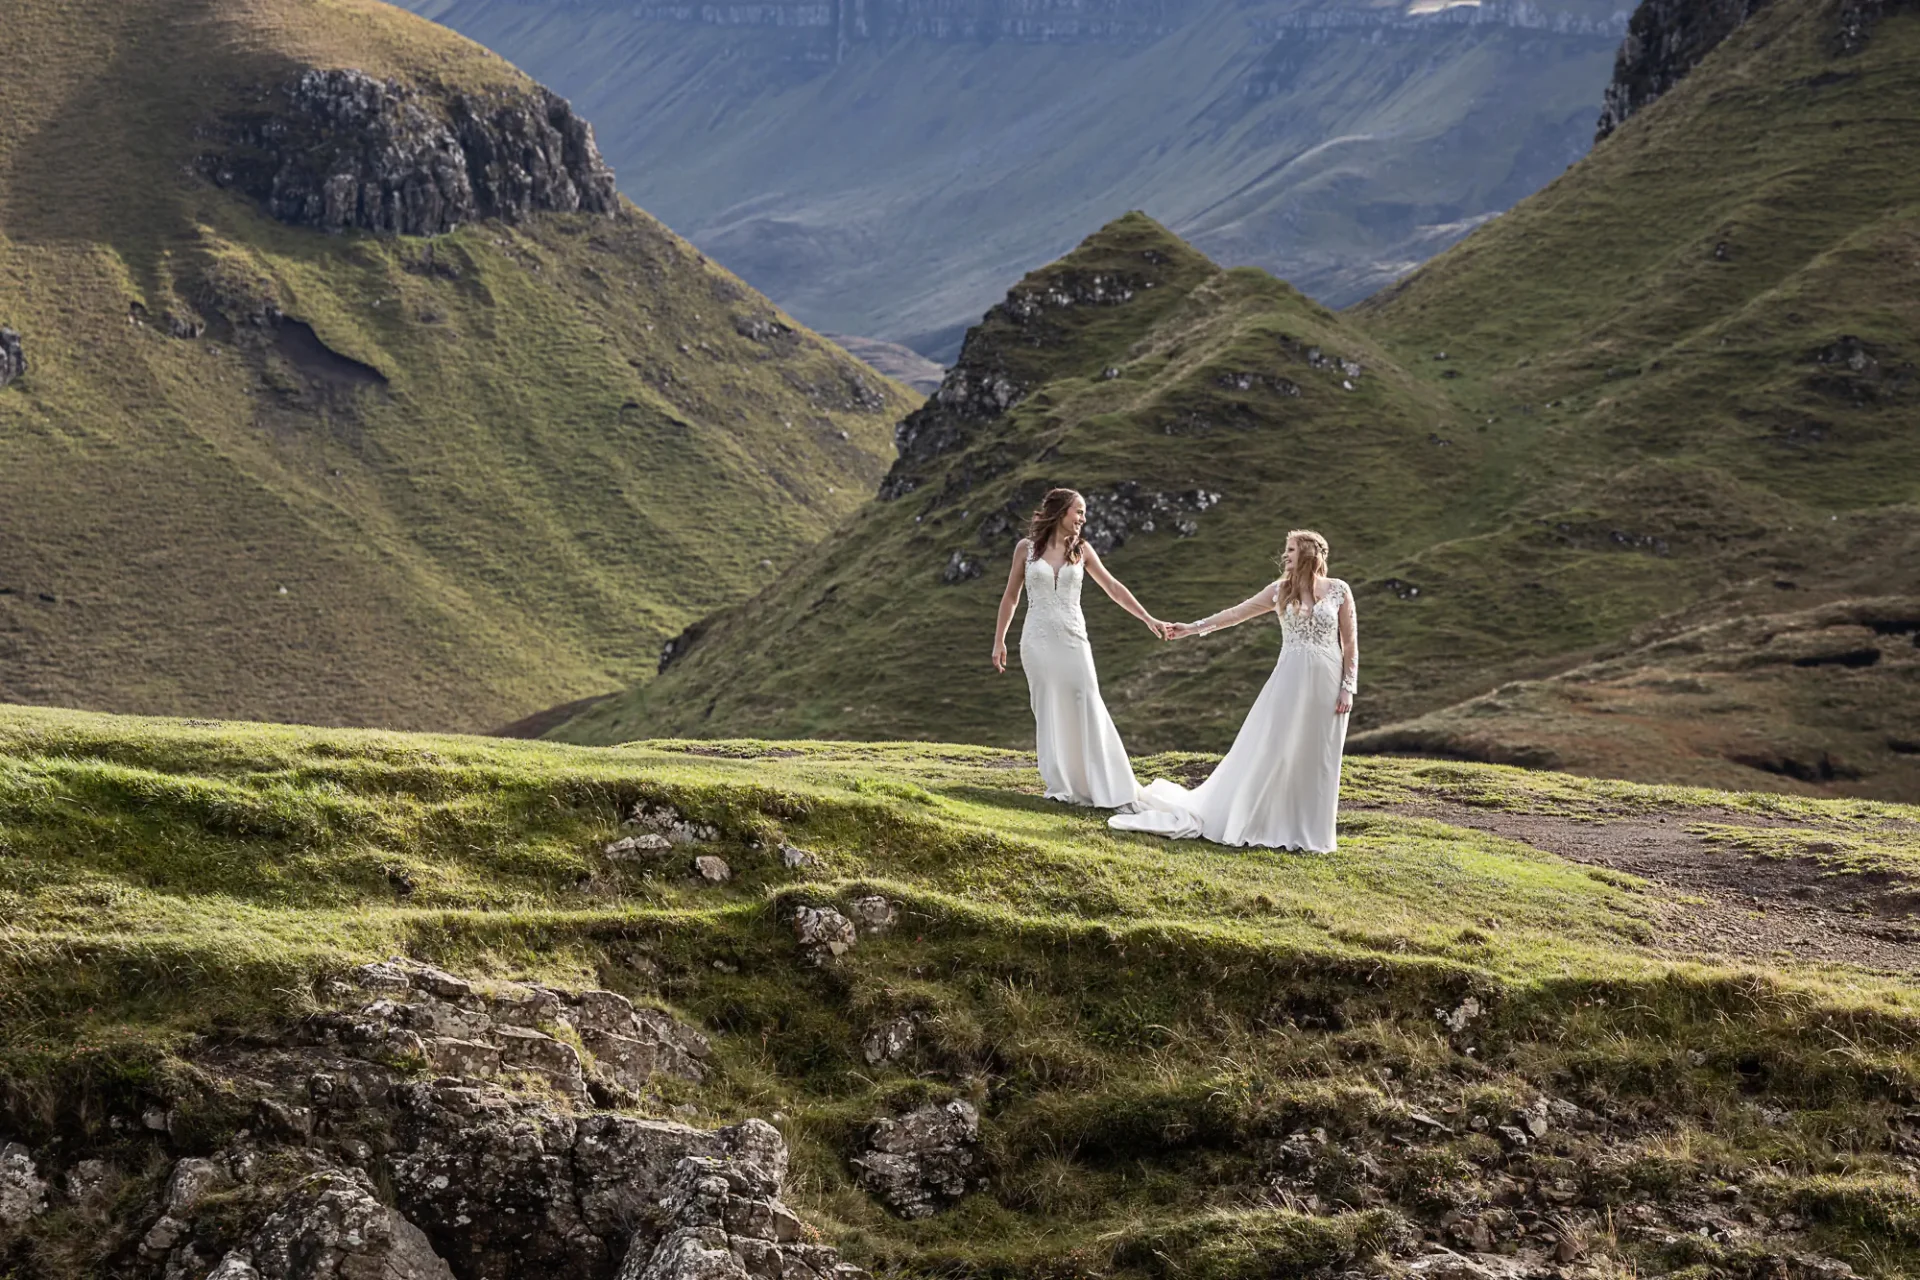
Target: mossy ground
x=507 y=465
x=1142 y=1023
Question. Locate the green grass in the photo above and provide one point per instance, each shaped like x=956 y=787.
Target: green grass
x=570 y=453
x=1632 y=465
x=1141 y=1022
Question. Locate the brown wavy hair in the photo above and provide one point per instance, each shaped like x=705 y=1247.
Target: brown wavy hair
x=1296 y=586
x=1045 y=524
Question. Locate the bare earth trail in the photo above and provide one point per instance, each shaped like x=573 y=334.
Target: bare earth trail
x=1720 y=903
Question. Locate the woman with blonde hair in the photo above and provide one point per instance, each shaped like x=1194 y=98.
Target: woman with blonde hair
x=1081 y=758
x=1279 y=786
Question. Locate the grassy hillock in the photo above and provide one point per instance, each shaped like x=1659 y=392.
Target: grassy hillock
x=1661 y=410
x=1188 y=1061
x=450 y=483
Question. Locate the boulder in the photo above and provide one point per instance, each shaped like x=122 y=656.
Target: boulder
x=23 y=1192
x=711 y=869
x=889 y=1040
x=924 y=1160
x=874 y=914
x=13 y=361
x=823 y=933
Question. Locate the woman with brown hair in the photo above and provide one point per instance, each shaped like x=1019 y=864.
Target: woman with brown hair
x=1081 y=758
x=1279 y=786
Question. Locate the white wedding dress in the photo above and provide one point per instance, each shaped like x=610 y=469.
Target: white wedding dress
x=1081 y=759
x=1279 y=785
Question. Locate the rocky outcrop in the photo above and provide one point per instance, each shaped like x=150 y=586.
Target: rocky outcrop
x=1665 y=40
x=13 y=361
x=922 y=1161
x=339 y=150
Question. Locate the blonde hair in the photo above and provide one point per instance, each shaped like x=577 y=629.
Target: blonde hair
x=1310 y=560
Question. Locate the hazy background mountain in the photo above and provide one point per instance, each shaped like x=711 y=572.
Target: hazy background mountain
x=1628 y=481
x=263 y=461
x=883 y=168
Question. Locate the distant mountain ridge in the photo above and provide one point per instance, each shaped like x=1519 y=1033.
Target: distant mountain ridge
x=883 y=168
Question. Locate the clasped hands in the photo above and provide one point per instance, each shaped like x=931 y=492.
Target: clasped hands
x=1172 y=630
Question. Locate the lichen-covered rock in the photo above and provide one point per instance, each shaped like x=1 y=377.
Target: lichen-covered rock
x=888 y=1041
x=23 y=1192
x=711 y=869
x=724 y=1220
x=823 y=933
x=331 y=1227
x=924 y=1160
x=646 y=844
x=13 y=360
x=667 y=821
x=190 y=1179
x=873 y=914
x=341 y=150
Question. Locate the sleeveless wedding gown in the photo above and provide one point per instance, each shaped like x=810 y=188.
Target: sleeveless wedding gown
x=1081 y=759
x=1279 y=786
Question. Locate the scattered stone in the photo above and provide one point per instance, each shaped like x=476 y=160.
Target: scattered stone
x=1457 y=1020
x=960 y=568
x=888 y=1041
x=711 y=869
x=874 y=914
x=644 y=845
x=86 y=1182
x=13 y=360
x=793 y=858
x=665 y=820
x=1426 y=1121
x=191 y=1179
x=23 y=1193
x=823 y=933
x=1510 y=1137
x=923 y=1160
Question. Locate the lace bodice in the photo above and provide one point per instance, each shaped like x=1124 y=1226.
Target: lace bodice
x=1317 y=627
x=1053 y=601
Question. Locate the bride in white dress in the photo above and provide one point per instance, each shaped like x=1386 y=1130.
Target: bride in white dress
x=1081 y=758
x=1279 y=786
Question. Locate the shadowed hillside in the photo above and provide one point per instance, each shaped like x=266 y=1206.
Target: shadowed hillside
x=1607 y=440
x=352 y=390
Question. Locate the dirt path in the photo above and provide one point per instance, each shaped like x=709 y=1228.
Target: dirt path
x=1721 y=903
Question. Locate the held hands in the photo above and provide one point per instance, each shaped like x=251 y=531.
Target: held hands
x=1181 y=630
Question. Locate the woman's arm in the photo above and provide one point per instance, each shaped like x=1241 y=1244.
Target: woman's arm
x=1117 y=591
x=1009 y=601
x=1263 y=601
x=1349 y=653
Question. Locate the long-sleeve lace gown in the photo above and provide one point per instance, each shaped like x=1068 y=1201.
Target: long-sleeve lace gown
x=1081 y=758
x=1279 y=785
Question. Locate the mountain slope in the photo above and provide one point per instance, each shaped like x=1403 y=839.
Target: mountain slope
x=486 y=995
x=885 y=168
x=253 y=468
x=1672 y=391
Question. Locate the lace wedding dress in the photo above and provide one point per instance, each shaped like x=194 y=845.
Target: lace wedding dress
x=1279 y=786
x=1081 y=759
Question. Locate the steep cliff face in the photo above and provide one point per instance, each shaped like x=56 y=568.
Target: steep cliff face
x=1664 y=41
x=884 y=167
x=340 y=150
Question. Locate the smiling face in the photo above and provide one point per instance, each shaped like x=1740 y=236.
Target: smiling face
x=1076 y=517
x=1291 y=556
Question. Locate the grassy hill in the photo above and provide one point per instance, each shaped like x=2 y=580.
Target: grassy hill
x=1647 y=438
x=254 y=469
x=1552 y=1022
x=886 y=169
